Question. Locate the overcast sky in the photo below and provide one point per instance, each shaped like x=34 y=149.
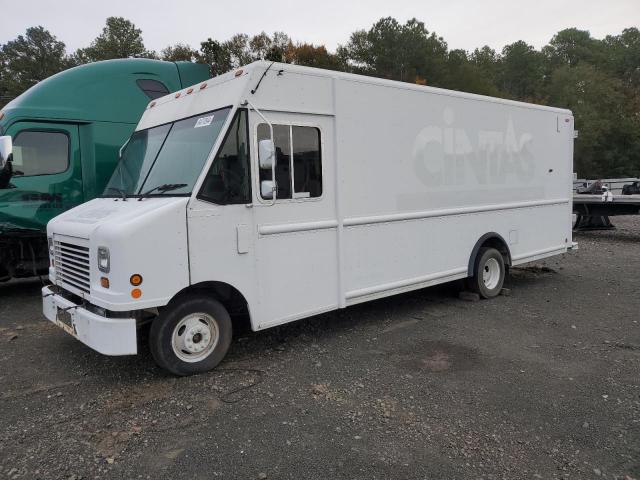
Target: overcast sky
x=463 y=23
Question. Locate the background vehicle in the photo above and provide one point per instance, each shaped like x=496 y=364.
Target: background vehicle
x=281 y=192
x=631 y=189
x=66 y=132
x=595 y=201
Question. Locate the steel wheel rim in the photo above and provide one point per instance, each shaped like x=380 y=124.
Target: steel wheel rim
x=195 y=337
x=491 y=273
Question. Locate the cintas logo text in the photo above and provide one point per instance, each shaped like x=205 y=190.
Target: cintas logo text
x=451 y=155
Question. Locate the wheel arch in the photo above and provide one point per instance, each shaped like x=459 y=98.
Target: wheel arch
x=228 y=295
x=493 y=240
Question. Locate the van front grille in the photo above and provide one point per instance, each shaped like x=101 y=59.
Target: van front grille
x=72 y=265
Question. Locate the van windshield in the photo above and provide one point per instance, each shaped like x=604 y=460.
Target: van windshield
x=174 y=153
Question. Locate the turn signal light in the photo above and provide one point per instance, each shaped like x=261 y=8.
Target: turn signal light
x=104 y=282
x=203 y=86
x=136 y=293
x=135 y=279
x=189 y=91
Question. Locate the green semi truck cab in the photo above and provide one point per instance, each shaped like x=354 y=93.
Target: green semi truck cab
x=66 y=133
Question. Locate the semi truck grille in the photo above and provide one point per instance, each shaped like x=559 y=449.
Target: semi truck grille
x=72 y=265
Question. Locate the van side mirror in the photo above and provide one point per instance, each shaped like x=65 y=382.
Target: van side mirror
x=267 y=187
x=266 y=153
x=6 y=149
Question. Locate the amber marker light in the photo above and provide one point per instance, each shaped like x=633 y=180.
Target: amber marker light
x=177 y=95
x=190 y=91
x=136 y=293
x=104 y=282
x=136 y=279
x=153 y=104
x=238 y=73
x=203 y=86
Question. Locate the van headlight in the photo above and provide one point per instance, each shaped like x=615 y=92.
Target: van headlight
x=51 y=251
x=104 y=262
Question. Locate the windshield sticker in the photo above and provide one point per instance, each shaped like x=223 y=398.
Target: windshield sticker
x=204 y=121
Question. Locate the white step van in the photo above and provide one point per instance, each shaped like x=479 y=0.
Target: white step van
x=278 y=192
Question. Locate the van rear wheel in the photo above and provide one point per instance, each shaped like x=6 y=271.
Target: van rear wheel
x=489 y=273
x=191 y=335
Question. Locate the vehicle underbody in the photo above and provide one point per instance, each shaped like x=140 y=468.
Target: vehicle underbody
x=23 y=253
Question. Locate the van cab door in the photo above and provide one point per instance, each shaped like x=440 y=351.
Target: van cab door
x=220 y=219
x=47 y=174
x=296 y=243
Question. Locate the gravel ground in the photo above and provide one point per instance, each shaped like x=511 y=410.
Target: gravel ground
x=543 y=383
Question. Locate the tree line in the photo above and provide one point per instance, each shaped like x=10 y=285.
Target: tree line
x=598 y=79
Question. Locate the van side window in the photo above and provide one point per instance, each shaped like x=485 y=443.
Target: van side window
x=229 y=178
x=282 y=140
x=307 y=168
x=40 y=153
x=297 y=148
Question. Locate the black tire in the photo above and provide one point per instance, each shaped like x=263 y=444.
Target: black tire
x=487 y=257
x=192 y=309
x=577 y=222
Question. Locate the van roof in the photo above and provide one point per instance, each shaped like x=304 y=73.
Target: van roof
x=288 y=67
x=234 y=86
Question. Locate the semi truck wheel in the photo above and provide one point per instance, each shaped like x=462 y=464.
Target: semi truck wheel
x=191 y=336
x=489 y=273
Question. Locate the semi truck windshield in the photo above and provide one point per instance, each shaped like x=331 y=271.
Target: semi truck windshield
x=173 y=153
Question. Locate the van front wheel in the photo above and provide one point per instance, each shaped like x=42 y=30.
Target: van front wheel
x=191 y=335
x=489 y=273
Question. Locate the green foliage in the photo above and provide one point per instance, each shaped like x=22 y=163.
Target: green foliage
x=464 y=74
x=218 y=57
x=487 y=61
x=520 y=72
x=180 y=52
x=27 y=60
x=609 y=141
x=263 y=47
x=313 y=56
x=241 y=50
x=572 y=46
x=599 y=80
x=119 y=39
x=622 y=56
x=400 y=52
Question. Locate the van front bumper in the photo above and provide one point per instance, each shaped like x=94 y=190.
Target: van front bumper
x=109 y=336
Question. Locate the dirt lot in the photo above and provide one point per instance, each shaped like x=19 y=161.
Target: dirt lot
x=544 y=383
